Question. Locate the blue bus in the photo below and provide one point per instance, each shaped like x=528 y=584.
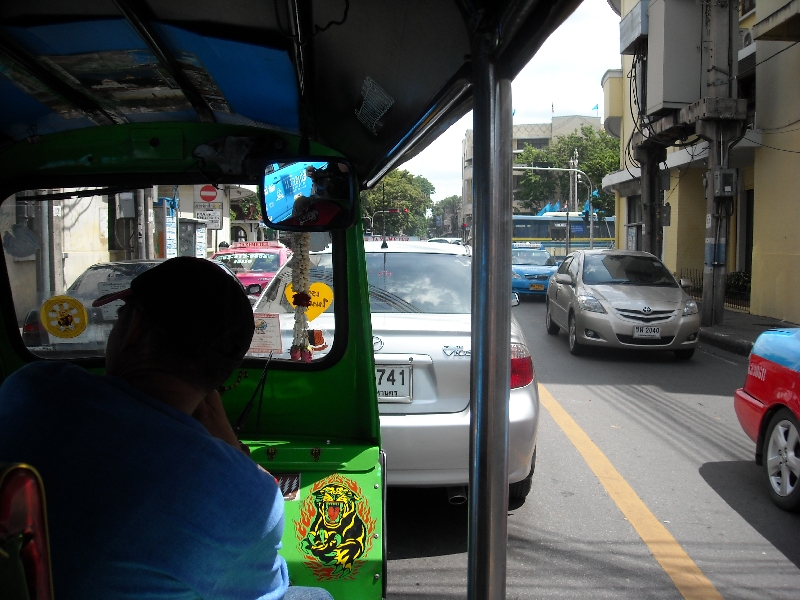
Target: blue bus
x=550 y=230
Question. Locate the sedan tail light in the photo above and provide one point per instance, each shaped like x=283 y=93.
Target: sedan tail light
x=521 y=366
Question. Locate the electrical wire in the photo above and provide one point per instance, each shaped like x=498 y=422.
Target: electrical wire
x=317 y=28
x=765 y=60
x=258 y=391
x=770 y=147
x=688 y=166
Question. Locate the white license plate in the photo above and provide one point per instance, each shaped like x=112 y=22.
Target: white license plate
x=537 y=287
x=394 y=383
x=645 y=331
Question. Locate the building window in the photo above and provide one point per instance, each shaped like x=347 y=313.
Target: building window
x=538 y=143
x=746 y=6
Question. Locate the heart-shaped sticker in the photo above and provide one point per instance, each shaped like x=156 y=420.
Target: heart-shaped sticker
x=321 y=298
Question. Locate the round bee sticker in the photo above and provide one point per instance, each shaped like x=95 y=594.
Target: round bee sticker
x=63 y=316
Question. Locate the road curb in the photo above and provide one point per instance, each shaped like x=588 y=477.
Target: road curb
x=727 y=342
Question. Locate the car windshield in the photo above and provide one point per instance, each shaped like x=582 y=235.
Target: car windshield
x=625 y=269
x=419 y=282
x=537 y=258
x=250 y=261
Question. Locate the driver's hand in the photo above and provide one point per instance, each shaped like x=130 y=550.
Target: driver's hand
x=211 y=415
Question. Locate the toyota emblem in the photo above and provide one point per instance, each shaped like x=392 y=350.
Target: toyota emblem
x=647 y=310
x=377 y=343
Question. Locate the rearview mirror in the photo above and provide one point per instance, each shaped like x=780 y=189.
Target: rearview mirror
x=315 y=194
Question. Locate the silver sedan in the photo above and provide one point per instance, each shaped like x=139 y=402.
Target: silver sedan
x=621 y=299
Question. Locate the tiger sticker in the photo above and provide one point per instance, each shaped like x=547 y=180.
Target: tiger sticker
x=335 y=529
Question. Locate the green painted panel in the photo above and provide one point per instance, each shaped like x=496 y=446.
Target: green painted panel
x=313 y=454
x=334 y=531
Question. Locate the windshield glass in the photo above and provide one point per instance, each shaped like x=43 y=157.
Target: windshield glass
x=537 y=258
x=625 y=269
x=419 y=282
x=66 y=247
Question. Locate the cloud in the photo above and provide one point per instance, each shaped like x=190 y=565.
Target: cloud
x=565 y=74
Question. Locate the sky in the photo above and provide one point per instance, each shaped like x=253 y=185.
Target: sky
x=564 y=75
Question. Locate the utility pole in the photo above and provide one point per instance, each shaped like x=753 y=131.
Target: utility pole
x=719 y=62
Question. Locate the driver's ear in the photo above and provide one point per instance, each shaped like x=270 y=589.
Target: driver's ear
x=136 y=329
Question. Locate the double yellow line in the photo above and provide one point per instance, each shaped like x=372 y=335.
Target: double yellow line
x=687 y=576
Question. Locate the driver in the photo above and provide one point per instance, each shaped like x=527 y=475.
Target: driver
x=148 y=492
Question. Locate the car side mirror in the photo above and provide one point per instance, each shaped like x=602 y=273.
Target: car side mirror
x=514 y=299
x=253 y=289
x=314 y=194
x=563 y=278
x=686 y=284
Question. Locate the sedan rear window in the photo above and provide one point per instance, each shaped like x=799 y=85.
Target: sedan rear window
x=625 y=269
x=419 y=282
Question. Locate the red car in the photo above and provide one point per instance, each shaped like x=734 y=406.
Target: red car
x=254 y=262
x=768 y=407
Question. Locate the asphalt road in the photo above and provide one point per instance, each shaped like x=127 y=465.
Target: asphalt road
x=669 y=430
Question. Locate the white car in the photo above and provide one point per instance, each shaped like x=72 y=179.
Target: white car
x=420 y=307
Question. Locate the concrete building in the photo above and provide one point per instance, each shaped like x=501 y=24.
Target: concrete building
x=762 y=229
x=537 y=135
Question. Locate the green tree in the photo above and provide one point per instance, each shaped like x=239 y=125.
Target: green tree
x=403 y=191
x=598 y=155
x=451 y=204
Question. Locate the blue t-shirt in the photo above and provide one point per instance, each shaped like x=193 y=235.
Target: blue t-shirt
x=141 y=501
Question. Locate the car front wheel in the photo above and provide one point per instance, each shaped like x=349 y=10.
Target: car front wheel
x=552 y=328
x=782 y=460
x=574 y=347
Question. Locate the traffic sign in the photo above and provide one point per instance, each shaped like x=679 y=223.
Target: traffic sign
x=208 y=193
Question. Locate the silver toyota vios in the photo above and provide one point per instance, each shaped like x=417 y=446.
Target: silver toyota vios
x=621 y=299
x=420 y=306
x=420 y=295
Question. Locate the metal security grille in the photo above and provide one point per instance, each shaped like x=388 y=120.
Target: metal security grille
x=737 y=288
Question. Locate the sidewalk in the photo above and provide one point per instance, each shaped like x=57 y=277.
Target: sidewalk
x=739 y=331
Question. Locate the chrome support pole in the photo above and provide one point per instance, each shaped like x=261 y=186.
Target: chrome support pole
x=491 y=330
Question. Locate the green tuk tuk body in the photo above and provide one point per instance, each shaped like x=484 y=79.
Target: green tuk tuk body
x=316 y=429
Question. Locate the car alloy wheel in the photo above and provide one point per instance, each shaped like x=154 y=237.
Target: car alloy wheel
x=552 y=328
x=574 y=347
x=782 y=460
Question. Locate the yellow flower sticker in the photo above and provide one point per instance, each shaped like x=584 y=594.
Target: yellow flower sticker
x=63 y=316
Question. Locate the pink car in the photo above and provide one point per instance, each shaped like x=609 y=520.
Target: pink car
x=768 y=407
x=254 y=262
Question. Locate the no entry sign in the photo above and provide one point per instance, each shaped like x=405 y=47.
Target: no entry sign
x=208 y=193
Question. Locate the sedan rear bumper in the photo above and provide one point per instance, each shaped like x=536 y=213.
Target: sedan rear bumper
x=432 y=450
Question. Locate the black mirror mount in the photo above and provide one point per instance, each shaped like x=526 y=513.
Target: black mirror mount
x=313 y=194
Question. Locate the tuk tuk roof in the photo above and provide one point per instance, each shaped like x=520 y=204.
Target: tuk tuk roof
x=374 y=81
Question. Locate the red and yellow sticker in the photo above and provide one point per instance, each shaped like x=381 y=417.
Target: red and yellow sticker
x=63 y=317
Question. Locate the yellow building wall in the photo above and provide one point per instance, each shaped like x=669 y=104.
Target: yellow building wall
x=776 y=215
x=776 y=182
x=684 y=239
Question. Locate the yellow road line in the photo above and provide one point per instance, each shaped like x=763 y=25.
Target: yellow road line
x=687 y=576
